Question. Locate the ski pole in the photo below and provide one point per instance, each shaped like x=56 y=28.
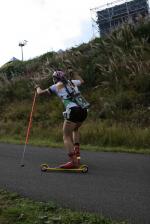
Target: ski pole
x=28 y=130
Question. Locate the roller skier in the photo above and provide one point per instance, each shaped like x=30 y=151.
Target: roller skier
x=74 y=115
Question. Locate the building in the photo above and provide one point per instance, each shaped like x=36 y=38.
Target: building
x=115 y=14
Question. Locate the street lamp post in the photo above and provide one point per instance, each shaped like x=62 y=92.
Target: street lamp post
x=22 y=44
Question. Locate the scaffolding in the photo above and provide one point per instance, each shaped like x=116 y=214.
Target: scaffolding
x=112 y=15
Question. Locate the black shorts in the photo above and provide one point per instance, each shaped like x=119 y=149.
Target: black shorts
x=77 y=114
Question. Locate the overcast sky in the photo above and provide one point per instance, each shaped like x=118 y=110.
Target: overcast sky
x=46 y=24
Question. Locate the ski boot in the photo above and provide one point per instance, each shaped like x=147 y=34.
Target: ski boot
x=73 y=163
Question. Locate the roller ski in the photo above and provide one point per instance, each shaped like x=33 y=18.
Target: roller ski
x=80 y=169
x=72 y=166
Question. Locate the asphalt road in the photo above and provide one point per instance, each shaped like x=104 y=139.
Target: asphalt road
x=116 y=186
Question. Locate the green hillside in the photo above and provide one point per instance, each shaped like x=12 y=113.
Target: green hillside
x=116 y=70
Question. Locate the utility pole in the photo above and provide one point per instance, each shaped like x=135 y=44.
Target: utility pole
x=22 y=44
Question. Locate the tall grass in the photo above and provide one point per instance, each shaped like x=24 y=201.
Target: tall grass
x=115 y=134
x=99 y=133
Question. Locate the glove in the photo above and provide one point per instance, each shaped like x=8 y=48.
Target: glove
x=38 y=90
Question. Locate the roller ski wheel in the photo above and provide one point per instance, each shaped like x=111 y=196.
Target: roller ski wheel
x=84 y=168
x=44 y=167
x=80 y=169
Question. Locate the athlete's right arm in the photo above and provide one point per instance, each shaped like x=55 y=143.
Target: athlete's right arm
x=78 y=77
x=42 y=91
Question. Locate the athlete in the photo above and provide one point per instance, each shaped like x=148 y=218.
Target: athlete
x=74 y=116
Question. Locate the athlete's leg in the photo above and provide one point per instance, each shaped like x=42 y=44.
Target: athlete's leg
x=76 y=141
x=68 y=128
x=75 y=134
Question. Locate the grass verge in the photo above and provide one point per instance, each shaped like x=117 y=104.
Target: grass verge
x=17 y=210
x=88 y=147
